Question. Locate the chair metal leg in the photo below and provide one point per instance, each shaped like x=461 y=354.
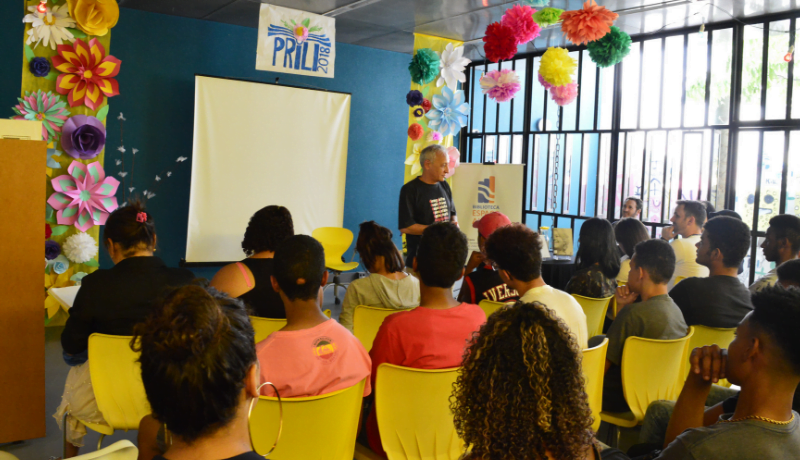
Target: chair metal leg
x=336 y=288
x=100 y=441
x=613 y=436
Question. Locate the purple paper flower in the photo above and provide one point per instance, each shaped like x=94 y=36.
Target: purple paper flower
x=414 y=98
x=39 y=66
x=418 y=112
x=83 y=137
x=51 y=250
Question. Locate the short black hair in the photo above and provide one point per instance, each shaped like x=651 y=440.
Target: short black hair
x=787 y=226
x=268 y=227
x=299 y=256
x=731 y=236
x=131 y=227
x=516 y=249
x=695 y=209
x=777 y=312
x=376 y=241
x=629 y=232
x=789 y=271
x=441 y=255
x=657 y=258
x=637 y=200
x=709 y=207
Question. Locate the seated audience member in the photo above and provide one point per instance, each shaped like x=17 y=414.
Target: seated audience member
x=628 y=232
x=200 y=373
x=720 y=300
x=112 y=302
x=435 y=334
x=687 y=222
x=516 y=252
x=387 y=286
x=789 y=274
x=709 y=208
x=520 y=393
x=312 y=354
x=485 y=282
x=781 y=244
x=655 y=317
x=597 y=261
x=632 y=207
x=249 y=279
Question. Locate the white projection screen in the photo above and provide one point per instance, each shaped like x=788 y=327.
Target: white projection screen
x=259 y=144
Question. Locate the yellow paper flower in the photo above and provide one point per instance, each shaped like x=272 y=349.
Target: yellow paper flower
x=557 y=67
x=413 y=160
x=53 y=280
x=95 y=17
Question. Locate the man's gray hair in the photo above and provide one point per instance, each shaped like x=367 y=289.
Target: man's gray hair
x=429 y=153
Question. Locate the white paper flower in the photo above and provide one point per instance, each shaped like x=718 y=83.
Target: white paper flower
x=181 y=159
x=80 y=248
x=49 y=28
x=121 y=117
x=121 y=148
x=452 y=64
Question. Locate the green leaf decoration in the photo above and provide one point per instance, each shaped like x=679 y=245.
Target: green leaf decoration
x=51 y=76
x=306 y=22
x=47 y=269
x=425 y=91
x=102 y=113
x=423 y=123
x=29 y=53
x=77 y=33
x=294 y=22
x=60 y=229
x=92 y=263
x=315 y=29
x=50 y=215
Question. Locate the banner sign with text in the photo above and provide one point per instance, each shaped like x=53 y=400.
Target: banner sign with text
x=293 y=41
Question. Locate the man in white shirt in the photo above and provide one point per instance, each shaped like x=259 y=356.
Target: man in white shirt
x=515 y=252
x=780 y=245
x=687 y=221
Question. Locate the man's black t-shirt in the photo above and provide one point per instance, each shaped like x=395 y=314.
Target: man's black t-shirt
x=425 y=204
x=716 y=301
x=485 y=283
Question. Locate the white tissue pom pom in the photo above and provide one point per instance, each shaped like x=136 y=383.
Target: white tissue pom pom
x=80 y=248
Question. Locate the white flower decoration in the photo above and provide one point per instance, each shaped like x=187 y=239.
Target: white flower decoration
x=181 y=159
x=158 y=178
x=452 y=64
x=169 y=173
x=121 y=117
x=122 y=173
x=121 y=148
x=49 y=28
x=413 y=160
x=80 y=248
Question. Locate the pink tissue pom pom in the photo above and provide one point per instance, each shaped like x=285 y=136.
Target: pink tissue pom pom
x=544 y=83
x=563 y=95
x=500 y=85
x=520 y=19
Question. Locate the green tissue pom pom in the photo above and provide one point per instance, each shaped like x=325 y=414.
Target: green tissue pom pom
x=547 y=16
x=611 y=49
x=424 y=67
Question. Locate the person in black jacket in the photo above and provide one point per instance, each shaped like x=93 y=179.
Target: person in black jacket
x=112 y=302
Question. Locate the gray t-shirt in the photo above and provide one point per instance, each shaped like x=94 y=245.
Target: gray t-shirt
x=744 y=440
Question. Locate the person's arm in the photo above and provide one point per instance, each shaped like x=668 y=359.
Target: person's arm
x=384 y=349
x=467 y=292
x=624 y=297
x=682 y=296
x=621 y=328
x=475 y=260
x=405 y=215
x=667 y=234
x=348 y=306
x=415 y=229
x=75 y=337
x=231 y=280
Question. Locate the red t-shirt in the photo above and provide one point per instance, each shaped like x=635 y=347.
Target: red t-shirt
x=423 y=338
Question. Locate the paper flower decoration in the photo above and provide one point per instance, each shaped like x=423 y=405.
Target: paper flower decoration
x=413 y=160
x=519 y=19
x=95 y=17
x=426 y=105
x=454 y=160
x=452 y=67
x=548 y=16
x=78 y=277
x=435 y=136
x=611 y=49
x=48 y=231
x=85 y=197
x=500 y=85
x=83 y=137
x=59 y=265
x=414 y=98
x=544 y=83
x=45 y=107
x=55 y=280
x=49 y=28
x=51 y=249
x=87 y=73
x=449 y=113
x=418 y=112
x=588 y=24
x=80 y=248
x=500 y=42
x=424 y=66
x=557 y=67
x=39 y=66
x=415 y=131
x=536 y=3
x=300 y=33
x=563 y=95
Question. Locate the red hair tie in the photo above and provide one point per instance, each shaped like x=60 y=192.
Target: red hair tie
x=141 y=217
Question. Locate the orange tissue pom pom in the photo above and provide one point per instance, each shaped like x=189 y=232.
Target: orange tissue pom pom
x=415 y=131
x=588 y=24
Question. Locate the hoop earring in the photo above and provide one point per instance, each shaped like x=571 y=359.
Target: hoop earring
x=280 y=420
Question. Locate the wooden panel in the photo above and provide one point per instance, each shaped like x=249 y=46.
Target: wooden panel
x=22 y=199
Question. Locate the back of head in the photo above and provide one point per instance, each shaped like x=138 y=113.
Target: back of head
x=196 y=349
x=521 y=388
x=787 y=226
x=731 y=236
x=598 y=246
x=695 y=209
x=776 y=312
x=299 y=266
x=268 y=227
x=789 y=272
x=629 y=232
x=516 y=249
x=441 y=255
x=709 y=207
x=657 y=258
x=376 y=241
x=131 y=227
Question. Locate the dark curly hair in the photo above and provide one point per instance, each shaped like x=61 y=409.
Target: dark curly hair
x=441 y=255
x=520 y=391
x=731 y=236
x=517 y=249
x=267 y=229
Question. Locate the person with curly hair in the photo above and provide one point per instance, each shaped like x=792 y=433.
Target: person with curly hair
x=520 y=393
x=249 y=280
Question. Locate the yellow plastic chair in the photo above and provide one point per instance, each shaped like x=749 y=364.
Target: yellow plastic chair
x=595 y=310
x=120 y=450
x=704 y=335
x=366 y=322
x=489 y=306
x=594 y=362
x=335 y=241
x=7 y=456
x=266 y=326
x=678 y=279
x=316 y=427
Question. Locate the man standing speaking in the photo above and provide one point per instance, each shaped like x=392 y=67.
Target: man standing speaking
x=426 y=199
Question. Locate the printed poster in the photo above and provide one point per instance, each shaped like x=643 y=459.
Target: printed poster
x=294 y=41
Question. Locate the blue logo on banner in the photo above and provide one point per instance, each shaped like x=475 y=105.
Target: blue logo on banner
x=311 y=55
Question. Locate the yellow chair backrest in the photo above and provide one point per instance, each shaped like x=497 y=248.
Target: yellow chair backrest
x=366 y=322
x=652 y=370
x=678 y=279
x=704 y=335
x=117 y=381
x=489 y=306
x=413 y=410
x=266 y=326
x=335 y=240
x=120 y=450
x=595 y=311
x=316 y=427
x=594 y=362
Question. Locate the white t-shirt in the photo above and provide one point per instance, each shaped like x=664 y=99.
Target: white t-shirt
x=624 y=269
x=565 y=306
x=686 y=259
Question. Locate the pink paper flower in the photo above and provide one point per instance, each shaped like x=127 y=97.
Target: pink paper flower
x=435 y=136
x=454 y=160
x=500 y=85
x=85 y=197
x=45 y=107
x=544 y=83
x=563 y=95
x=520 y=19
x=300 y=33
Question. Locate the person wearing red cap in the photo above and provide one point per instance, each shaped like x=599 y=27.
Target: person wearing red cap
x=484 y=283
